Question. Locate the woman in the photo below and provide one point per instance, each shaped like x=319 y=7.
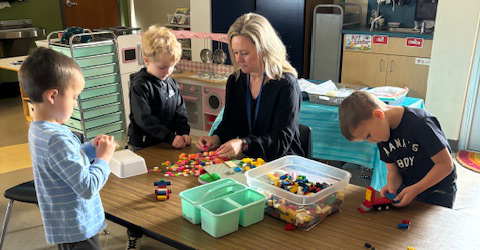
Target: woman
x=262 y=96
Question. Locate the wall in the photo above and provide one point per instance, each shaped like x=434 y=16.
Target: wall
x=452 y=51
x=201 y=21
x=148 y=12
x=37 y=11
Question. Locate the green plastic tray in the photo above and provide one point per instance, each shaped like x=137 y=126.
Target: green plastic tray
x=88 y=61
x=101 y=80
x=99 y=70
x=100 y=90
x=97 y=111
x=221 y=205
x=95 y=122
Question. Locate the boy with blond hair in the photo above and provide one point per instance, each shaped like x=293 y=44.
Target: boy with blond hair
x=67 y=185
x=411 y=143
x=158 y=113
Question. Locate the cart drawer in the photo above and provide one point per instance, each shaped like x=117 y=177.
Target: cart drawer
x=96 y=60
x=100 y=80
x=106 y=129
x=99 y=70
x=99 y=101
x=97 y=111
x=82 y=51
x=100 y=90
x=95 y=122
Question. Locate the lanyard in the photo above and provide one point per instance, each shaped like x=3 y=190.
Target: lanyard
x=249 y=105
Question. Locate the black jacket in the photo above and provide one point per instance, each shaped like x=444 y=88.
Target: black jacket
x=276 y=132
x=158 y=112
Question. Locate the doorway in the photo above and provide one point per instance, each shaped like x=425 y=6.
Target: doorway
x=91 y=14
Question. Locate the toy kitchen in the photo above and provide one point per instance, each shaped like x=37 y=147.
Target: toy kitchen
x=202 y=84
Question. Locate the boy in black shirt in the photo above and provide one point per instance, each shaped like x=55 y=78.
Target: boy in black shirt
x=411 y=143
x=158 y=113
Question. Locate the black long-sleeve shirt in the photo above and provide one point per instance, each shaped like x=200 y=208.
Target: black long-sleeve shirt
x=158 y=112
x=276 y=131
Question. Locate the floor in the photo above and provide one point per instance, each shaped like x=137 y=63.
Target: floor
x=25 y=230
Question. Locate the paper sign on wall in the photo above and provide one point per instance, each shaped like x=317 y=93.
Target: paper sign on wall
x=414 y=42
x=358 y=42
x=422 y=61
x=380 y=40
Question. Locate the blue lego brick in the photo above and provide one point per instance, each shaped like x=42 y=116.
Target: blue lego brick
x=403 y=226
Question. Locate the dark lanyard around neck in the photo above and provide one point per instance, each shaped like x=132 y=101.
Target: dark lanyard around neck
x=249 y=105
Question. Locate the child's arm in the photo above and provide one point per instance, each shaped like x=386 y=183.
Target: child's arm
x=143 y=117
x=443 y=167
x=394 y=180
x=69 y=164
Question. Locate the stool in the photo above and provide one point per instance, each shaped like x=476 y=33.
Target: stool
x=24 y=192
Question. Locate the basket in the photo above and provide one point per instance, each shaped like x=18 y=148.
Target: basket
x=398 y=101
x=332 y=100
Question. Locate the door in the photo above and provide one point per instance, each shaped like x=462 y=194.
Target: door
x=366 y=68
x=404 y=71
x=91 y=14
x=474 y=138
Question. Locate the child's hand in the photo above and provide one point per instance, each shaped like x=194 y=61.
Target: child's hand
x=387 y=189
x=187 y=139
x=406 y=196
x=230 y=148
x=105 y=148
x=178 y=142
x=96 y=139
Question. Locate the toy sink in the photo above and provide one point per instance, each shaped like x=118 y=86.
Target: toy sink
x=222 y=205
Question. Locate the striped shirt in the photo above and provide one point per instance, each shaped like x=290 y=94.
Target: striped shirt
x=67 y=184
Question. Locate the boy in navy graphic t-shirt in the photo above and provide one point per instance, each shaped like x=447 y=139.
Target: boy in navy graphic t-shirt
x=411 y=143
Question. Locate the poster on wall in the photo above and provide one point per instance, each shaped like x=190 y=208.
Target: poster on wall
x=358 y=42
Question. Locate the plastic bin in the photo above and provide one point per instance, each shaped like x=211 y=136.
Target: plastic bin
x=95 y=122
x=222 y=205
x=97 y=111
x=291 y=207
x=100 y=80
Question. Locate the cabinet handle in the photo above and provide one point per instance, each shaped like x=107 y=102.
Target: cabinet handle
x=382 y=64
x=391 y=65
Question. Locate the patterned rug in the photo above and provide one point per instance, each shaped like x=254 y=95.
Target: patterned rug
x=470 y=160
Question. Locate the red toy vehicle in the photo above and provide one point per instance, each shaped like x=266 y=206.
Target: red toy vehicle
x=372 y=202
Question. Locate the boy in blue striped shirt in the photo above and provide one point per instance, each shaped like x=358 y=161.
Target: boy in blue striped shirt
x=67 y=185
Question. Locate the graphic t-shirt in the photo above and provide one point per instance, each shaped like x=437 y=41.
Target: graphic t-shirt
x=412 y=144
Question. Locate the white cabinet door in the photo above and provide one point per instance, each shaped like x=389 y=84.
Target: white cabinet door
x=125 y=78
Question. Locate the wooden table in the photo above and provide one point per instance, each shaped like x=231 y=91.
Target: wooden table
x=6 y=63
x=131 y=201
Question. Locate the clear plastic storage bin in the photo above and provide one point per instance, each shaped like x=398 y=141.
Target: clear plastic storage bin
x=305 y=211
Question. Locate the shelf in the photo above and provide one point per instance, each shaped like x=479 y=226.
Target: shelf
x=177 y=25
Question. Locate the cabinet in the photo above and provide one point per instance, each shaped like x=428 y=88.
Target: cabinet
x=186 y=43
x=393 y=64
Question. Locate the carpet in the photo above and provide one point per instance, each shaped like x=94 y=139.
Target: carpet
x=470 y=160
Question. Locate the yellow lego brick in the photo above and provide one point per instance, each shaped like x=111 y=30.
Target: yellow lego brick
x=161 y=197
x=341 y=195
x=276 y=183
x=247 y=168
x=247 y=160
x=291 y=213
x=294 y=189
x=282 y=209
x=230 y=164
x=326 y=210
x=285 y=218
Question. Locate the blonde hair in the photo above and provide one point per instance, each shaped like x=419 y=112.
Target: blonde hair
x=356 y=108
x=270 y=48
x=158 y=41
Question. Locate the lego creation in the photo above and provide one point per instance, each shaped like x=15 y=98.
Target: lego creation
x=373 y=202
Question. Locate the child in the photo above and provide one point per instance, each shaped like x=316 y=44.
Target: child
x=158 y=113
x=411 y=143
x=67 y=185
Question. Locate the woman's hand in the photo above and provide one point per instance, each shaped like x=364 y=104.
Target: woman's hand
x=230 y=148
x=206 y=143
